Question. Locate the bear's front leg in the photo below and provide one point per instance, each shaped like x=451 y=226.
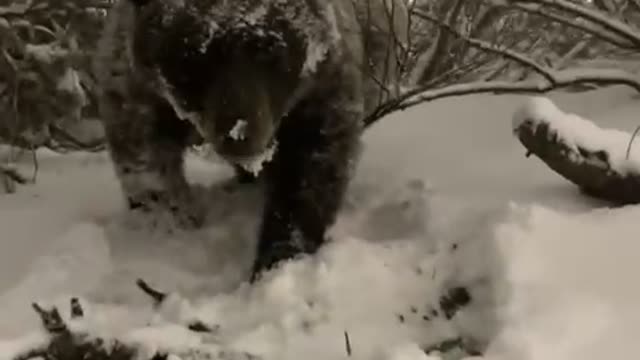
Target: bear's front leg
x=306 y=183
x=146 y=142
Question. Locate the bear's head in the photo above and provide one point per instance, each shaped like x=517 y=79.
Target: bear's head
x=230 y=67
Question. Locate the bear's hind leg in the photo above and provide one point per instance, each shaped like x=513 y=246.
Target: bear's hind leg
x=147 y=142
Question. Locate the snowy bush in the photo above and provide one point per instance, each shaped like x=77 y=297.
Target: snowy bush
x=44 y=79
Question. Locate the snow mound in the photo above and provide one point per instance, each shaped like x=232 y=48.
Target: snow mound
x=546 y=285
x=580 y=133
x=384 y=291
x=566 y=299
x=527 y=303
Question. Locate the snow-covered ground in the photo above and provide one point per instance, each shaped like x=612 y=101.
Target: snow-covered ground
x=444 y=196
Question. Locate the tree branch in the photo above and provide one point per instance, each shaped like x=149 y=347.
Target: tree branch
x=613 y=38
x=551 y=79
x=489 y=47
x=597 y=17
x=561 y=79
x=157 y=296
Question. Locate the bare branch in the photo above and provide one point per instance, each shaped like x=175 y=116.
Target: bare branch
x=589 y=28
x=560 y=79
x=347 y=344
x=551 y=78
x=487 y=46
x=597 y=17
x=571 y=54
x=157 y=296
x=443 y=43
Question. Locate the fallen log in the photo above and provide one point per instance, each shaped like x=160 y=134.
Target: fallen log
x=599 y=161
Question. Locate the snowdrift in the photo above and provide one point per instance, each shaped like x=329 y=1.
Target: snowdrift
x=544 y=284
x=388 y=279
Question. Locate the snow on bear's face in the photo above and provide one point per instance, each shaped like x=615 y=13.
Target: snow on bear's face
x=231 y=73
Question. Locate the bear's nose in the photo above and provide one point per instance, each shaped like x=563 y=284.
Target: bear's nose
x=234 y=138
x=238 y=131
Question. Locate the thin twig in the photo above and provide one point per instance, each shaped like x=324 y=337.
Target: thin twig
x=157 y=296
x=599 y=18
x=199 y=326
x=36 y=164
x=490 y=47
x=347 y=343
x=631 y=141
x=561 y=79
x=594 y=31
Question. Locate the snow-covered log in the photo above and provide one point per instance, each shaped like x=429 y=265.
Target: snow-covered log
x=601 y=162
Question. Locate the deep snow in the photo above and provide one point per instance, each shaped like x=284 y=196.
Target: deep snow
x=551 y=272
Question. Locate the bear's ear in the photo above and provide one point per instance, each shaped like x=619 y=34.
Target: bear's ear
x=140 y=3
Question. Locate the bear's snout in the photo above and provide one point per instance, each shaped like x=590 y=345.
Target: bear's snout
x=241 y=138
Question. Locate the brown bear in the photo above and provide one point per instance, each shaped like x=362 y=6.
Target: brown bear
x=283 y=84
